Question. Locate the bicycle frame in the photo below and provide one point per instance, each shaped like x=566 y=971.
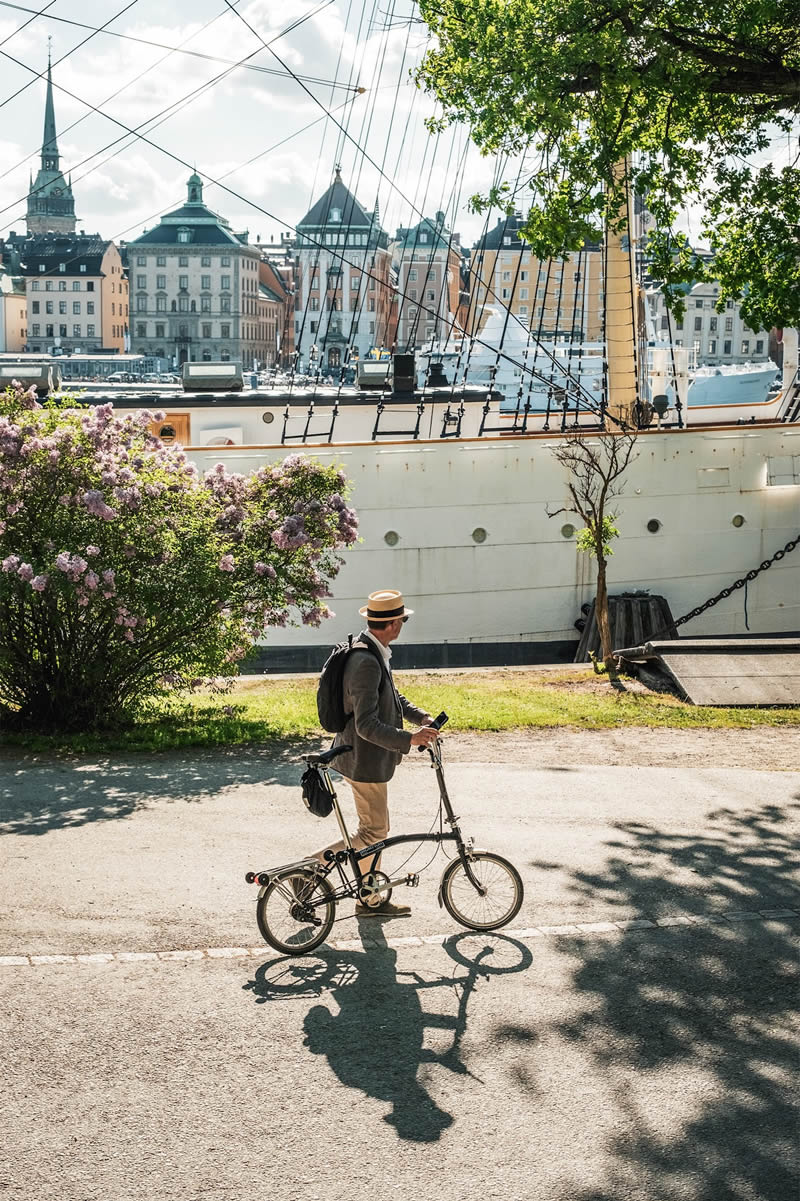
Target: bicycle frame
x=352 y=888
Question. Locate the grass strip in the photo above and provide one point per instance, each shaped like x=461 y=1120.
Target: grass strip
x=281 y=709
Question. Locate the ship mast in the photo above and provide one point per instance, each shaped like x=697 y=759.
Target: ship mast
x=621 y=309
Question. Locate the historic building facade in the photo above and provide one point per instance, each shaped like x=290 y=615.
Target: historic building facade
x=76 y=293
x=427 y=262
x=344 y=294
x=51 y=206
x=555 y=298
x=195 y=289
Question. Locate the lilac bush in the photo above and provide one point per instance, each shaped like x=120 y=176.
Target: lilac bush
x=124 y=573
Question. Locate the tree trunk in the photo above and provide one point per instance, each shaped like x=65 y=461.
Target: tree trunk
x=603 y=624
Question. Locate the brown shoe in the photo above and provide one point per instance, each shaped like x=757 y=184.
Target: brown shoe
x=387 y=909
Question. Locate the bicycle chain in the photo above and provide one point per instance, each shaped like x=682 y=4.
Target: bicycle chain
x=726 y=592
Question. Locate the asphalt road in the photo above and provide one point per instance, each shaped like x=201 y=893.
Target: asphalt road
x=631 y=1036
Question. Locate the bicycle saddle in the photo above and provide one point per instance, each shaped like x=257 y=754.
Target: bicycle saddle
x=327 y=756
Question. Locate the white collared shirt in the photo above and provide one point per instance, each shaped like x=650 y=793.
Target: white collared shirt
x=385 y=651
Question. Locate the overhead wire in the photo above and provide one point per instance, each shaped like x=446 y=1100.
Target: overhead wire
x=177 y=158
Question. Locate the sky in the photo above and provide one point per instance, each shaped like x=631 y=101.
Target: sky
x=121 y=183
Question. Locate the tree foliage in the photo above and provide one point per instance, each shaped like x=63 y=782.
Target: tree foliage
x=690 y=92
x=123 y=573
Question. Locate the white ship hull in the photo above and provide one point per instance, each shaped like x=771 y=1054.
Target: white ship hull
x=526 y=582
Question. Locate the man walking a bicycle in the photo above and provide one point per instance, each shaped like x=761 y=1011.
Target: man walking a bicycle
x=375 y=731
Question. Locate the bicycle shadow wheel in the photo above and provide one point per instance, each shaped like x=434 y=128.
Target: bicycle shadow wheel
x=490 y=954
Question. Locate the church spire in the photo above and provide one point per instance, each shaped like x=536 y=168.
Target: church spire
x=49 y=143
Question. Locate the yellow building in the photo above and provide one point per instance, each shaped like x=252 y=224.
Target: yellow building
x=12 y=313
x=555 y=298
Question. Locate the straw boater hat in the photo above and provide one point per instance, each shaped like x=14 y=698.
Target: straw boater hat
x=386 y=605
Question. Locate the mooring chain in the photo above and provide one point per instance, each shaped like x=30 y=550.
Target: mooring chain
x=740 y=583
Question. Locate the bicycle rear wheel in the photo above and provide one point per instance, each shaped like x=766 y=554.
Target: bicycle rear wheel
x=296 y=911
x=494 y=903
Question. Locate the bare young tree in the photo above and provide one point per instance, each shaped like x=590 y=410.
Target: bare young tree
x=596 y=464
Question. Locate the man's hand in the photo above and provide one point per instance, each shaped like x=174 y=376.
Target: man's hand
x=424 y=736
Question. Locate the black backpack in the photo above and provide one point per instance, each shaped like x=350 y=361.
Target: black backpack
x=316 y=797
x=330 y=690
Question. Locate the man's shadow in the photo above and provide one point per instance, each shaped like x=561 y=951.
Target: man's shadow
x=375 y=1041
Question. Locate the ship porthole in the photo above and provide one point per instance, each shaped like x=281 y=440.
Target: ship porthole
x=267 y=418
x=391 y=537
x=479 y=534
x=654 y=525
x=738 y=521
x=567 y=531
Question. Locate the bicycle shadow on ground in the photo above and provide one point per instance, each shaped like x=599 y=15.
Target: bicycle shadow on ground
x=374 y=1043
x=711 y=1006
x=40 y=793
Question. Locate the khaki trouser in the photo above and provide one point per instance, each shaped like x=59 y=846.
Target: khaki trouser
x=372 y=807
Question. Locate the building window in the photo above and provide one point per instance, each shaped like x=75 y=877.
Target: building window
x=226 y=330
x=48 y=306
x=35 y=330
x=82 y=268
x=183 y=304
x=523 y=275
x=507 y=240
x=141 y=329
x=205 y=282
x=42 y=266
x=313 y=304
x=159 y=330
x=205 y=261
x=161 y=260
x=48 y=330
x=698 y=323
x=184 y=235
x=336 y=215
x=712 y=346
x=48 y=285
x=225 y=283
x=355 y=282
x=225 y=304
x=712 y=325
x=225 y=261
x=35 y=285
x=90 y=285
x=141 y=260
x=35 y=306
x=89 y=331
x=206 y=329
x=728 y=325
x=225 y=356
x=698 y=304
x=141 y=304
x=183 y=283
x=161 y=304
x=431 y=295
x=412 y=275
x=62 y=331
x=523 y=310
x=760 y=346
x=726 y=346
x=523 y=293
x=76 y=331
x=90 y=307
x=76 y=307
x=62 y=307
x=412 y=294
x=62 y=285
x=205 y=304
x=506 y=293
x=161 y=282
x=745 y=345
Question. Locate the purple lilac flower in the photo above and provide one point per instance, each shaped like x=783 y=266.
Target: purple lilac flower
x=227 y=563
x=11 y=563
x=25 y=571
x=39 y=583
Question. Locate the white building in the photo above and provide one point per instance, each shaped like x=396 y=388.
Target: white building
x=711 y=338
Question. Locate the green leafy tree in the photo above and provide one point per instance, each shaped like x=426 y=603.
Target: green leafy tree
x=691 y=94
x=595 y=466
x=124 y=574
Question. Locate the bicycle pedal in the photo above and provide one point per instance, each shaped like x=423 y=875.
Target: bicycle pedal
x=412 y=879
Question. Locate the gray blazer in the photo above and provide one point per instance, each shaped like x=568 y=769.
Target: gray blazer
x=375 y=729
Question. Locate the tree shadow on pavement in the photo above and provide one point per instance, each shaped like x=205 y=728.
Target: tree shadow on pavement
x=374 y=1038
x=42 y=793
x=706 y=1011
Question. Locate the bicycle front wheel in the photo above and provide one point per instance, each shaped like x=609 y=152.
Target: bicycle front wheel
x=493 y=903
x=296 y=911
